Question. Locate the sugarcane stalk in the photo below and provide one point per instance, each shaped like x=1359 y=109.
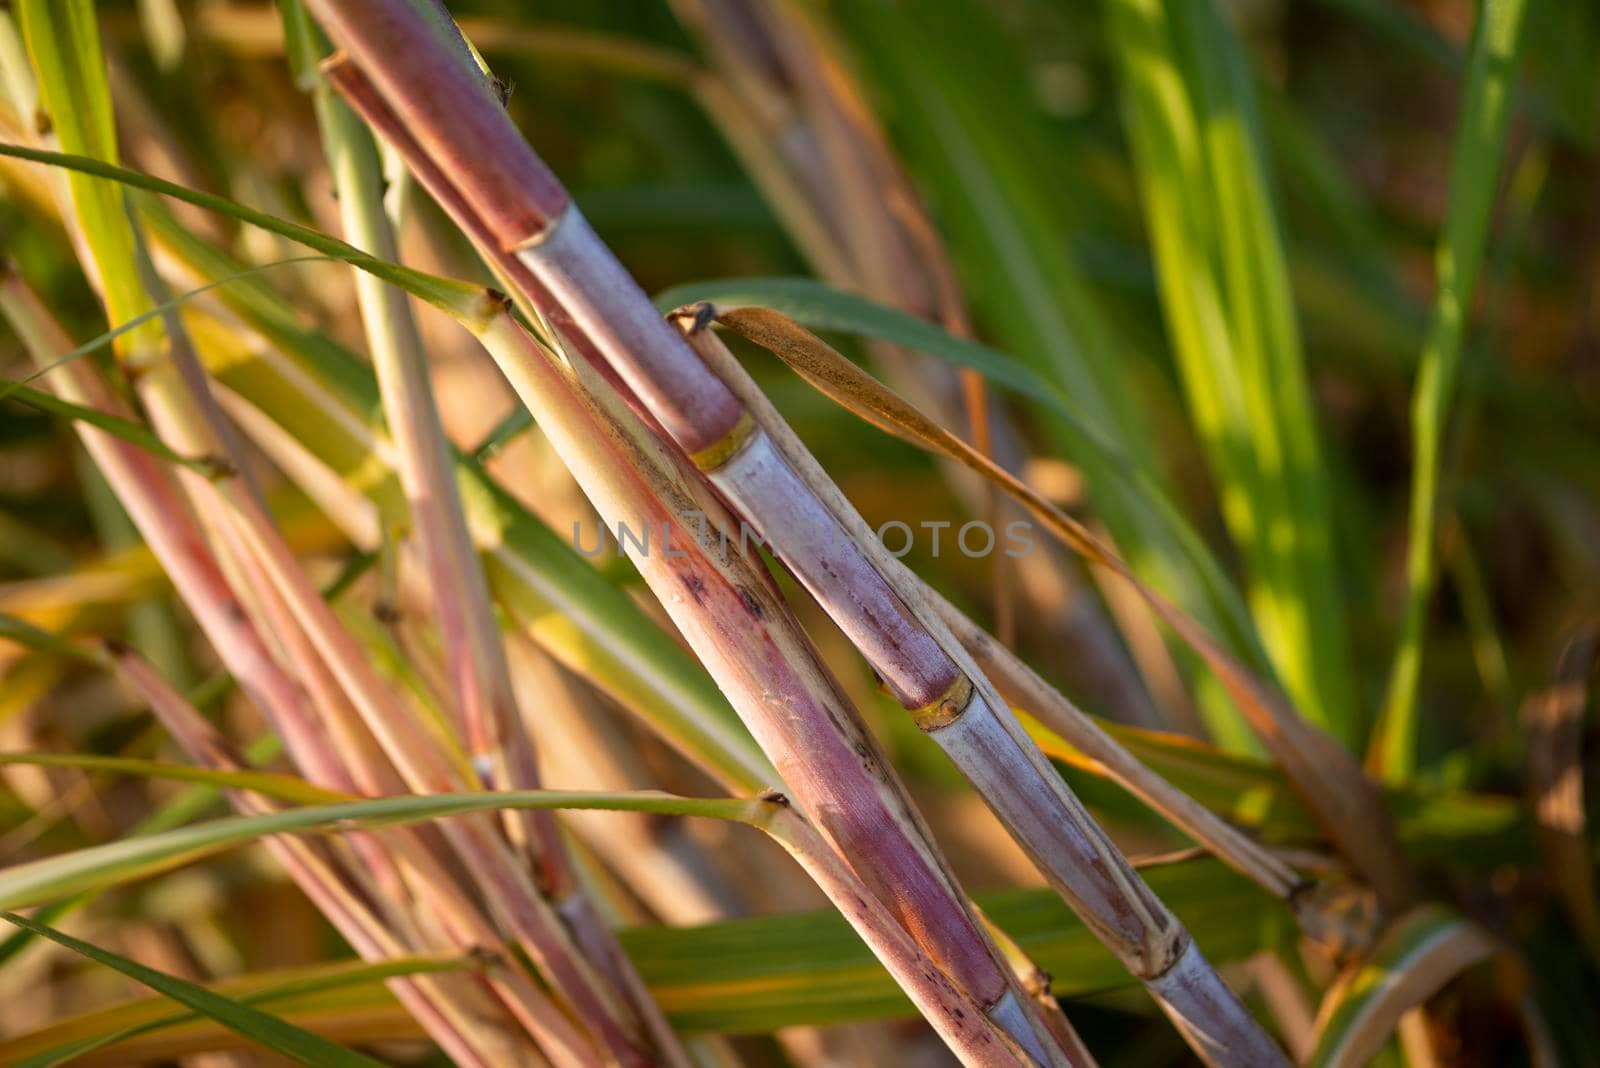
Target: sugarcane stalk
x=423 y=877
x=181 y=398
x=474 y=649
x=805 y=134
x=1345 y=801
x=946 y=1007
x=1023 y=687
x=731 y=613
x=787 y=51
x=274 y=388
x=950 y=705
x=537 y=577
x=978 y=732
x=821 y=764
x=499 y=188
x=671 y=876
x=957 y=1018
x=162 y=518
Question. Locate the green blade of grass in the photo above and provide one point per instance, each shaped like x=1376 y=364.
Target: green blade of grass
x=145 y=1017
x=1474 y=176
x=284 y=787
x=126 y=429
x=63 y=43
x=453 y=297
x=269 y=1031
x=118 y=862
x=1224 y=288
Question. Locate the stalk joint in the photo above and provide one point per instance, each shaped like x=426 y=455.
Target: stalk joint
x=723 y=449
x=529 y=245
x=947 y=707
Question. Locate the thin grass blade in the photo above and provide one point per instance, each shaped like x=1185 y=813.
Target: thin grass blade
x=269 y=1031
x=1474 y=176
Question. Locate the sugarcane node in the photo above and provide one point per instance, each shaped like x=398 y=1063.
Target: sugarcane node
x=1165 y=947
x=727 y=446
x=541 y=234
x=947 y=707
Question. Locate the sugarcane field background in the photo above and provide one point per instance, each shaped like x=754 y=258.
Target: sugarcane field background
x=799 y=533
